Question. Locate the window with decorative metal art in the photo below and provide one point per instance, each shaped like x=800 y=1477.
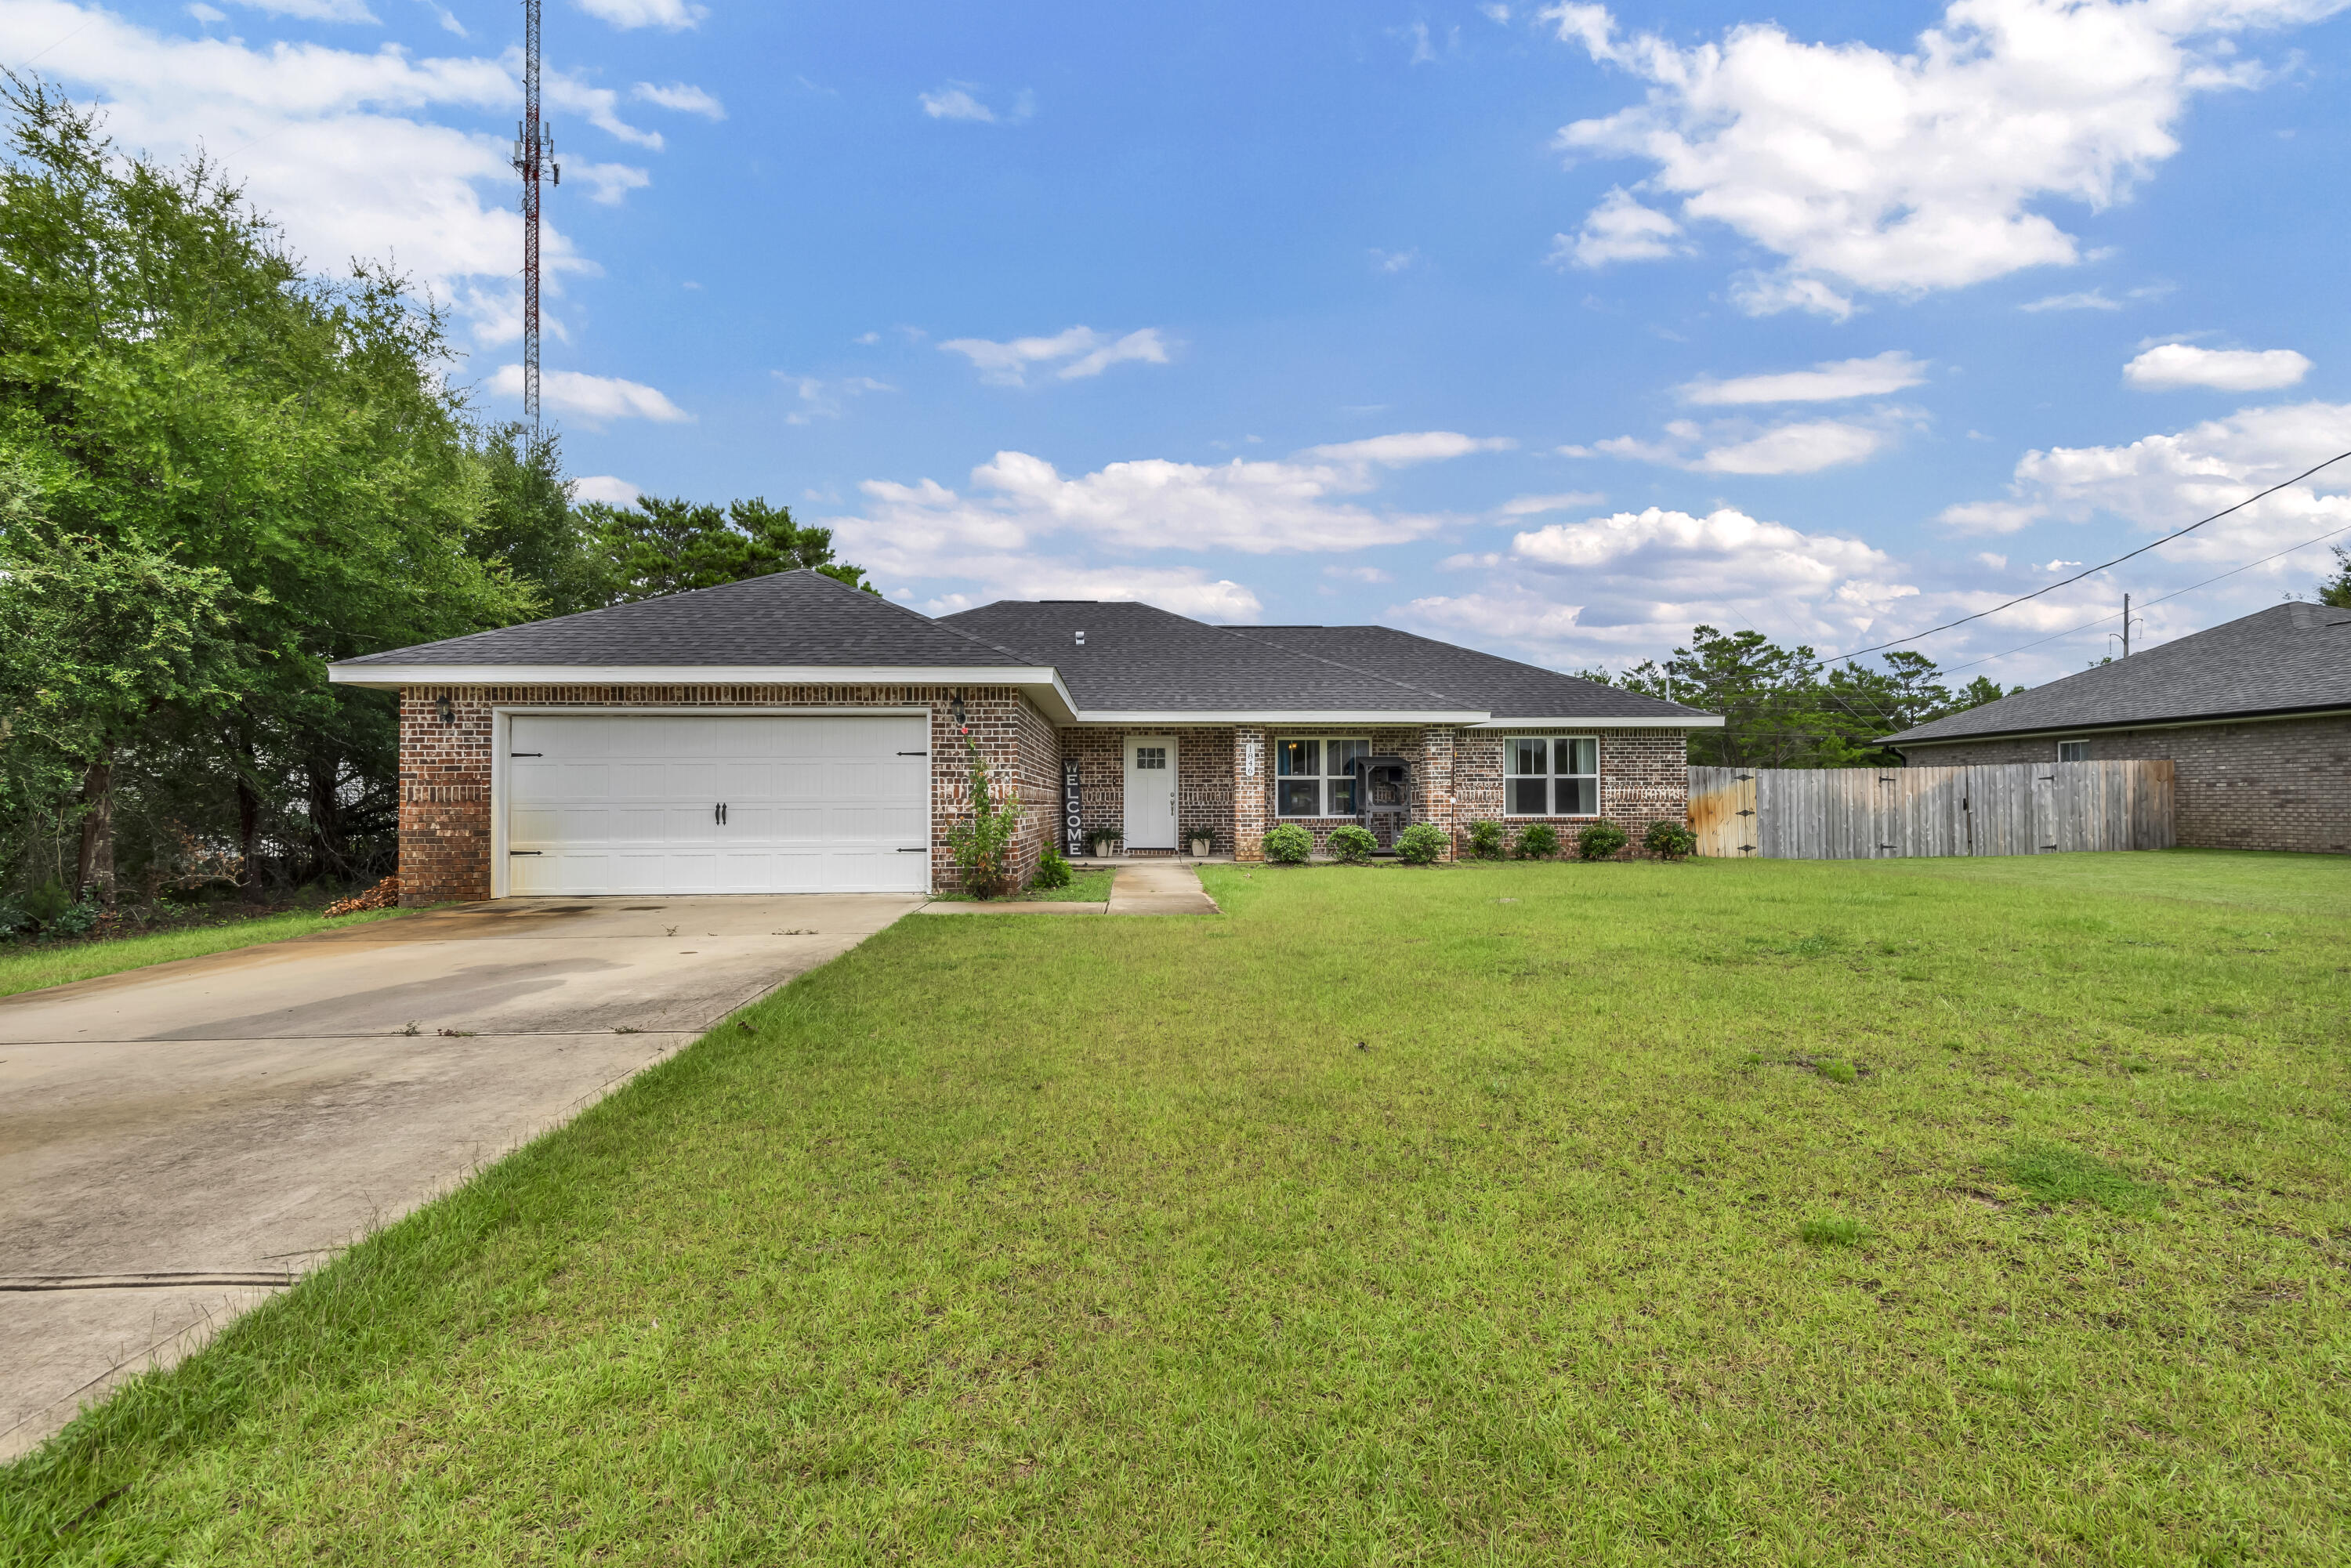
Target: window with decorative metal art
x=1312 y=777
x=1551 y=776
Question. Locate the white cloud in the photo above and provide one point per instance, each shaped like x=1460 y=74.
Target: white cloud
x=611 y=182
x=2163 y=482
x=593 y=398
x=821 y=398
x=1395 y=260
x=1078 y=351
x=956 y=101
x=2170 y=365
x=447 y=18
x=610 y=488
x=674 y=16
x=1358 y=574
x=682 y=97
x=1632 y=585
x=1901 y=173
x=341 y=147
x=1409 y=447
x=1801 y=446
x=207 y=14
x=1534 y=506
x=2088 y=300
x=1619 y=229
x=599 y=106
x=1887 y=372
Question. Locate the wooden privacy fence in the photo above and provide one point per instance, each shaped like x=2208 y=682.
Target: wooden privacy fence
x=1868 y=813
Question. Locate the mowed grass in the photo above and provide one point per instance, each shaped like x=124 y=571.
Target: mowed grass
x=1488 y=1214
x=34 y=966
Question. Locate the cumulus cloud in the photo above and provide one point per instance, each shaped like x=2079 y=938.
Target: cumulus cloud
x=610 y=488
x=593 y=398
x=1798 y=446
x=2159 y=483
x=1830 y=382
x=1869 y=170
x=2170 y=365
x=1534 y=506
x=1073 y=353
x=670 y=15
x=1619 y=229
x=682 y=97
x=1413 y=446
x=1632 y=584
x=307 y=10
x=344 y=148
x=2086 y=300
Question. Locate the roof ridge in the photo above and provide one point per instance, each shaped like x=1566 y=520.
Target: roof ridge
x=903 y=609
x=1342 y=664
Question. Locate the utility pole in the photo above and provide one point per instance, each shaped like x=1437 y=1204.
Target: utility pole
x=534 y=149
x=2126 y=625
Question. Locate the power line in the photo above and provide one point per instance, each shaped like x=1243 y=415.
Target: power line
x=2175 y=593
x=2091 y=571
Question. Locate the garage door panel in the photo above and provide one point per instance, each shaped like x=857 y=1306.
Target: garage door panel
x=625 y=803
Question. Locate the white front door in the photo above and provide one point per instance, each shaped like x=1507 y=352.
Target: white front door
x=1151 y=792
x=679 y=803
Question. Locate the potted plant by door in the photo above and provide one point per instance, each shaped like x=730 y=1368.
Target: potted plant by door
x=1199 y=840
x=1104 y=842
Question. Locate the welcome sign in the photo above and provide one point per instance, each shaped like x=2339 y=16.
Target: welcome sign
x=1074 y=821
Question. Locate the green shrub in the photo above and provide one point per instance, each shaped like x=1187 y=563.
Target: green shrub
x=1289 y=844
x=1352 y=845
x=1600 y=841
x=1538 y=842
x=1101 y=841
x=982 y=843
x=1485 y=841
x=1423 y=844
x=1052 y=871
x=1668 y=840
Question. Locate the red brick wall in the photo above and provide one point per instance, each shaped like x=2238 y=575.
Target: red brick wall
x=1204 y=778
x=2279 y=785
x=1644 y=776
x=1430 y=752
x=444 y=769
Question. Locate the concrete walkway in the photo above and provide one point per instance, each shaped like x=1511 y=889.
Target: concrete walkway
x=180 y=1142
x=1139 y=887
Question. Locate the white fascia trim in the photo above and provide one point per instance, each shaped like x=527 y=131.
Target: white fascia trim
x=1695 y=721
x=1059 y=705
x=1260 y=716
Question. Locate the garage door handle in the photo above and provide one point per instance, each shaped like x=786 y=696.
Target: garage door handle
x=525 y=852
x=914 y=852
x=914 y=753
x=525 y=754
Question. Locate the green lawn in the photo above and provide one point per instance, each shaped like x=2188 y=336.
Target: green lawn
x=1917 y=1212
x=33 y=966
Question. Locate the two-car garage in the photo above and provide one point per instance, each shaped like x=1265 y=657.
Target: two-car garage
x=703 y=802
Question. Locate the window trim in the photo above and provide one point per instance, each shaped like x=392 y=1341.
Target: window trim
x=2083 y=743
x=1322 y=781
x=1550 y=792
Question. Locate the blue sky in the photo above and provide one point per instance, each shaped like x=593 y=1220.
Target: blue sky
x=1552 y=330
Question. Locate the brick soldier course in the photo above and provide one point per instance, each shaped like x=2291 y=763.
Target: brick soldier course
x=1033 y=683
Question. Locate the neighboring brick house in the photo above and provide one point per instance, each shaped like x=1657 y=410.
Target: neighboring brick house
x=2254 y=714
x=792 y=734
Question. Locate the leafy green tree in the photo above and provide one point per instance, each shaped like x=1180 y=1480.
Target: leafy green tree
x=527 y=526
x=660 y=547
x=2335 y=591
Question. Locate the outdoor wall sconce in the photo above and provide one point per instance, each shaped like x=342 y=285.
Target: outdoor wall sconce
x=448 y=709
x=955 y=706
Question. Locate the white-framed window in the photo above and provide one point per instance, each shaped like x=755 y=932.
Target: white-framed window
x=1151 y=756
x=2073 y=751
x=1551 y=776
x=1313 y=778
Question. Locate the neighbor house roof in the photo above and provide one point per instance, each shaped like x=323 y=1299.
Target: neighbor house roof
x=2287 y=659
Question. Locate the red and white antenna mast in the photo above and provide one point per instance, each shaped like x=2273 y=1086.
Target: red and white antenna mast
x=534 y=150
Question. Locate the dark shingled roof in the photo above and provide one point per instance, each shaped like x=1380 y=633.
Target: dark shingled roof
x=1503 y=688
x=788 y=617
x=1142 y=659
x=2285 y=659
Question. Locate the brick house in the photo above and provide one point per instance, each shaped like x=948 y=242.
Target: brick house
x=791 y=734
x=2256 y=715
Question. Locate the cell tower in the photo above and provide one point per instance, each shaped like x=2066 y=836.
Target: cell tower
x=534 y=150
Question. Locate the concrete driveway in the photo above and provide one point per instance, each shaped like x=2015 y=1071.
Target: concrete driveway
x=178 y=1142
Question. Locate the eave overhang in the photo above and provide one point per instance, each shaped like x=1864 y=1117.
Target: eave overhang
x=1041 y=682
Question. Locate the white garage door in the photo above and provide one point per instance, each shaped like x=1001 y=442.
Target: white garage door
x=663 y=803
